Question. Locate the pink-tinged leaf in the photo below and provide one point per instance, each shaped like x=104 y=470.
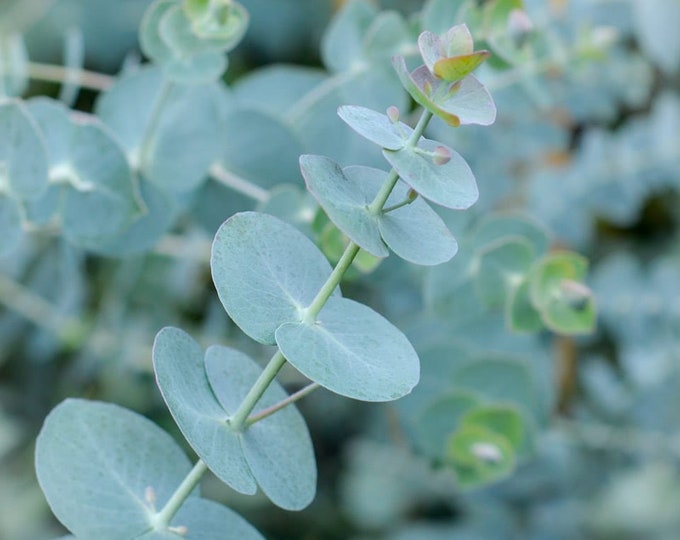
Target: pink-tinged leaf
x=431 y=49
x=457 y=67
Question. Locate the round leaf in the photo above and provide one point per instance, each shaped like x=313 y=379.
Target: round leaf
x=353 y=351
x=265 y=272
x=208 y=520
x=375 y=127
x=23 y=157
x=278 y=448
x=480 y=456
x=344 y=199
x=10 y=225
x=180 y=373
x=95 y=462
x=451 y=184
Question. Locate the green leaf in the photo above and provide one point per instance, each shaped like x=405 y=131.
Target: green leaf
x=10 y=225
x=266 y=272
x=181 y=376
x=342 y=43
x=462 y=102
x=479 y=456
x=439 y=419
x=439 y=15
x=152 y=43
x=502 y=381
x=566 y=305
x=260 y=148
x=186 y=140
x=14 y=62
x=451 y=185
x=91 y=182
x=501 y=267
x=387 y=35
x=415 y=232
x=23 y=157
x=208 y=520
x=95 y=462
x=504 y=420
x=278 y=448
x=521 y=314
x=375 y=127
x=222 y=24
x=344 y=198
x=353 y=351
x=499 y=225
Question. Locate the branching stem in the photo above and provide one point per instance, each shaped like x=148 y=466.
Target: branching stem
x=241 y=419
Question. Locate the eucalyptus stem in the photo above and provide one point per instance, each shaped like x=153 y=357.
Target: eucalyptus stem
x=162 y=519
x=60 y=74
x=238 y=420
x=264 y=413
x=241 y=419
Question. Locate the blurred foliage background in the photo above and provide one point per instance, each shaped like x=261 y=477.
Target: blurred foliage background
x=586 y=147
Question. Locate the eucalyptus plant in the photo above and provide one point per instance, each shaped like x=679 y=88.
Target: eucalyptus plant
x=280 y=290
x=163 y=142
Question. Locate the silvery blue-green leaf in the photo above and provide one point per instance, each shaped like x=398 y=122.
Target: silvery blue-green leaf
x=353 y=351
x=260 y=148
x=655 y=25
x=100 y=198
x=56 y=127
x=208 y=520
x=375 y=127
x=13 y=64
x=439 y=419
x=415 y=232
x=451 y=185
x=497 y=226
x=254 y=89
x=278 y=448
x=292 y=204
x=181 y=376
x=439 y=15
x=200 y=68
x=342 y=42
x=95 y=462
x=160 y=211
x=345 y=199
x=126 y=106
x=501 y=266
x=152 y=43
x=10 y=224
x=501 y=380
x=23 y=157
x=387 y=35
x=265 y=272
x=178 y=151
x=174 y=29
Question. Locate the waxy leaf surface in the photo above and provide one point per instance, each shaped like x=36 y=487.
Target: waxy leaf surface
x=451 y=185
x=181 y=376
x=278 y=448
x=265 y=272
x=94 y=463
x=353 y=351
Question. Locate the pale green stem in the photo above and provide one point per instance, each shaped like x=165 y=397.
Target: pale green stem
x=59 y=74
x=405 y=202
x=238 y=420
x=264 y=413
x=163 y=518
x=36 y=309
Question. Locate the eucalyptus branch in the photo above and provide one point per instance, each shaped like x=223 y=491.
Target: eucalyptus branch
x=237 y=183
x=264 y=413
x=162 y=519
x=60 y=74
